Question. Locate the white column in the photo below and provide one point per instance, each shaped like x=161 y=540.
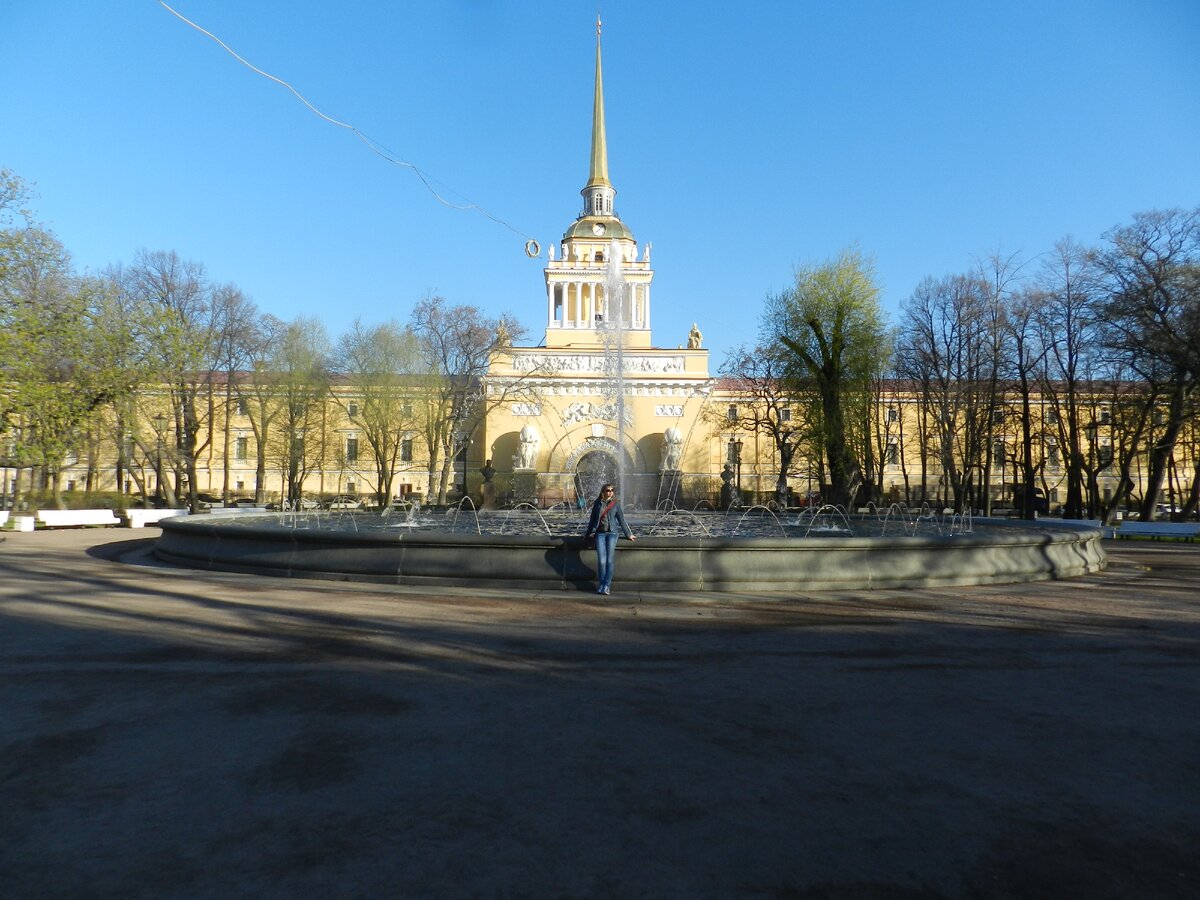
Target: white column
x=550 y=323
x=646 y=301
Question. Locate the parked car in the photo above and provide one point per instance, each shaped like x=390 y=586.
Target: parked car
x=302 y=504
x=241 y=502
x=344 y=501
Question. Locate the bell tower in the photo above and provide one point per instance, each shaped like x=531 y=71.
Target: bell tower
x=595 y=248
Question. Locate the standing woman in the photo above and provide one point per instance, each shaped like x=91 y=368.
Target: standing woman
x=605 y=525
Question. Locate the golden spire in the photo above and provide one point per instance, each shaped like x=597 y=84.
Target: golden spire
x=598 y=173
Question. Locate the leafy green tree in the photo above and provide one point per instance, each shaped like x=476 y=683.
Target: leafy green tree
x=831 y=322
x=258 y=393
x=297 y=379
x=379 y=367
x=59 y=351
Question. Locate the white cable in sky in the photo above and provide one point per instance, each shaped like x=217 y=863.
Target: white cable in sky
x=375 y=148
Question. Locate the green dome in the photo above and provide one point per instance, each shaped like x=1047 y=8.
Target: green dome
x=613 y=228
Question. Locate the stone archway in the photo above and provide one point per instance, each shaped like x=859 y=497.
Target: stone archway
x=594 y=468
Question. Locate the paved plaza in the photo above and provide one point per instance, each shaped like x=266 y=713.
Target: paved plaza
x=167 y=733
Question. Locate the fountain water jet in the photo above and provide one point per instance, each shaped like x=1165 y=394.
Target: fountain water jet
x=614 y=327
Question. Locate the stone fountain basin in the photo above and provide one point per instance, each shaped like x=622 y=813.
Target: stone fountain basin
x=1002 y=551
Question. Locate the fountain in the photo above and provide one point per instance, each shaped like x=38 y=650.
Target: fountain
x=758 y=550
x=613 y=327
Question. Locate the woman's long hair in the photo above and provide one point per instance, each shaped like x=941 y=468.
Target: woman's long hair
x=604 y=487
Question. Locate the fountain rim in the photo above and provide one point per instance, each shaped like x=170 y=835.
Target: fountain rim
x=1019 y=532
x=666 y=564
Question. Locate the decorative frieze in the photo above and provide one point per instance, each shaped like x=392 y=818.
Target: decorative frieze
x=581 y=412
x=595 y=364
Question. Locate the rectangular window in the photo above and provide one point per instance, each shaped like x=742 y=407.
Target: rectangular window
x=998 y=454
x=733 y=415
x=242 y=410
x=1052 y=416
x=1053 y=458
x=406 y=410
x=352 y=410
x=240 y=448
x=406 y=450
x=893 y=454
x=785 y=414
x=997 y=416
x=352 y=449
x=893 y=414
x=351 y=487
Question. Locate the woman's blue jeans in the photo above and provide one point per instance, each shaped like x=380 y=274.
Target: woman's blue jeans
x=606 y=556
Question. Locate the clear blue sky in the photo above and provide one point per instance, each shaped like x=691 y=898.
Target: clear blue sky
x=743 y=139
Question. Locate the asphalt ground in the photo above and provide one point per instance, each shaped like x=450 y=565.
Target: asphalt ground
x=168 y=733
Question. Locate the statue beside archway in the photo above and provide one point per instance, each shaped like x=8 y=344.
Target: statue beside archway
x=526 y=455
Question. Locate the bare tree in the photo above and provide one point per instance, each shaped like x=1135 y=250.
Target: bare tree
x=187 y=321
x=944 y=332
x=998 y=277
x=769 y=405
x=1027 y=352
x=1151 y=318
x=1069 y=339
x=458 y=345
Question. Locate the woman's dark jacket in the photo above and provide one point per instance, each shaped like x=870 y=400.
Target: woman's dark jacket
x=611 y=522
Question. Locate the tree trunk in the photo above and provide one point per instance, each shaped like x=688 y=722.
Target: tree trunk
x=1160 y=453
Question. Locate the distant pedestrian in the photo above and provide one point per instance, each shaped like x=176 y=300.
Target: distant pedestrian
x=605 y=526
